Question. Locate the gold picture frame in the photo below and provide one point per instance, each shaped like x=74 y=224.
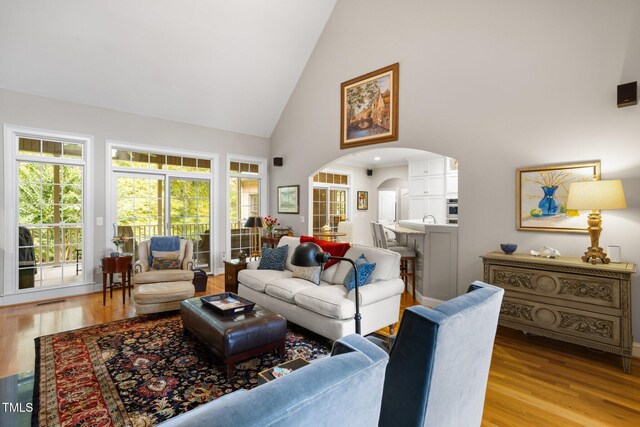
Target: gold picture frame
x=369 y=108
x=363 y=200
x=541 y=193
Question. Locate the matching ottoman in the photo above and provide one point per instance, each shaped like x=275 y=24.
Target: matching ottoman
x=163 y=296
x=234 y=338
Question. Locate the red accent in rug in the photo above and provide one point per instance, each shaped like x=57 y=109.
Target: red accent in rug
x=141 y=371
x=334 y=248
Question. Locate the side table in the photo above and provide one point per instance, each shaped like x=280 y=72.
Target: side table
x=115 y=265
x=231 y=269
x=295 y=364
x=270 y=241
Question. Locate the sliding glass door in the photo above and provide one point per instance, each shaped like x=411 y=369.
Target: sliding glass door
x=163 y=195
x=189 y=207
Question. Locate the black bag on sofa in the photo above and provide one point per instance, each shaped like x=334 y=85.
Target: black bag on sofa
x=200 y=280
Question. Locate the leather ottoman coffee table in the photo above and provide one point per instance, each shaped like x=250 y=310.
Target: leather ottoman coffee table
x=234 y=338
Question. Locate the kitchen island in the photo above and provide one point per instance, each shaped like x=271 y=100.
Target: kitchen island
x=436 y=247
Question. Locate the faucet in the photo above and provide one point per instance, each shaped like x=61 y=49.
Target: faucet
x=424 y=218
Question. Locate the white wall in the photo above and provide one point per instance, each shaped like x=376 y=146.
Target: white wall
x=43 y=113
x=496 y=84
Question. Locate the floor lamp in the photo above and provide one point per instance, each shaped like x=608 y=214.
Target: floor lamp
x=255 y=222
x=309 y=254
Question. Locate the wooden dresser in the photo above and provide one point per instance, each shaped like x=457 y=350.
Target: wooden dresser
x=566 y=299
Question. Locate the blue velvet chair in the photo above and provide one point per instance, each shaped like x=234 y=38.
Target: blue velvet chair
x=344 y=389
x=439 y=361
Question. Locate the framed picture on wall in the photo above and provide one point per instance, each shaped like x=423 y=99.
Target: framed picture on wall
x=541 y=197
x=363 y=200
x=289 y=199
x=369 y=108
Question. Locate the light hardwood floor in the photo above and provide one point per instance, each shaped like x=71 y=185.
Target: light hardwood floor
x=533 y=381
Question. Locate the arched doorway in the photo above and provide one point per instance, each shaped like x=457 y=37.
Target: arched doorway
x=352 y=187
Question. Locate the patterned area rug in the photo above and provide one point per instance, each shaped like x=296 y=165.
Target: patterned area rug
x=140 y=372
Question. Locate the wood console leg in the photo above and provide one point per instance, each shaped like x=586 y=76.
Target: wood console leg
x=626 y=364
x=104 y=288
x=392 y=328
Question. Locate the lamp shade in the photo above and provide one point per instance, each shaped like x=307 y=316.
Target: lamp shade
x=596 y=195
x=308 y=254
x=254 y=222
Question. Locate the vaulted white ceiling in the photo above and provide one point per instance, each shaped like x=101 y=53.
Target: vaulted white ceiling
x=227 y=64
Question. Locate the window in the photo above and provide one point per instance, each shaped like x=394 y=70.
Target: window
x=161 y=194
x=245 y=200
x=330 y=196
x=159 y=161
x=45 y=189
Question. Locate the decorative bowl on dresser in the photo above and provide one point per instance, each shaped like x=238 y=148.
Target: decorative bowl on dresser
x=566 y=299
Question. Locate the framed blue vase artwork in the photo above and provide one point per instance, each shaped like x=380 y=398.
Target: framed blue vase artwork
x=541 y=199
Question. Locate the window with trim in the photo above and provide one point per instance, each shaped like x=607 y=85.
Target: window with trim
x=48 y=179
x=330 y=200
x=244 y=202
x=161 y=194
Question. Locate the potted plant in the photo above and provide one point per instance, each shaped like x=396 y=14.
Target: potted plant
x=269 y=223
x=119 y=242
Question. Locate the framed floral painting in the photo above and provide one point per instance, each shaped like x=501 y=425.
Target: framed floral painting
x=369 y=108
x=541 y=197
x=363 y=200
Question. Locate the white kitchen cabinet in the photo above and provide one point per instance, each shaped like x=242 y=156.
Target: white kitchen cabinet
x=435 y=185
x=417 y=207
x=427 y=186
x=451 y=186
x=417 y=186
x=421 y=167
x=436 y=206
x=435 y=166
x=417 y=167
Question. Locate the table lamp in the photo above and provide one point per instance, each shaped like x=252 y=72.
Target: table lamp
x=255 y=222
x=309 y=254
x=596 y=196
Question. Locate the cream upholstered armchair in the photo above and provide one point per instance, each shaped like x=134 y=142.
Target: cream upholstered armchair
x=162 y=290
x=143 y=271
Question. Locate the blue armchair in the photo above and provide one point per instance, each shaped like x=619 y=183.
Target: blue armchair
x=344 y=389
x=439 y=361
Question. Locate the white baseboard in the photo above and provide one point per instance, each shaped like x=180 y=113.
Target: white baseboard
x=42 y=294
x=429 y=302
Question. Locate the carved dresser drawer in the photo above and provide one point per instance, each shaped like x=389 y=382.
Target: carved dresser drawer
x=566 y=299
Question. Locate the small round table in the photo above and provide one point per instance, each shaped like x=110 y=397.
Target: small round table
x=115 y=265
x=328 y=235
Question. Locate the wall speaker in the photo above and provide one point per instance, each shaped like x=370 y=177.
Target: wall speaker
x=369 y=172
x=277 y=161
x=627 y=94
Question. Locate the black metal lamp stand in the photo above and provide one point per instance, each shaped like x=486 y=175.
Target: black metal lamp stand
x=309 y=254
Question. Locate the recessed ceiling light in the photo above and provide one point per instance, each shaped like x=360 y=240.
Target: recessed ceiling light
x=376 y=158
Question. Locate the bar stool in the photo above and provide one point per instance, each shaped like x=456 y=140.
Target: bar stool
x=407 y=256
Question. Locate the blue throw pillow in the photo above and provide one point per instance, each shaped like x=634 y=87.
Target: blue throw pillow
x=274 y=258
x=364 y=272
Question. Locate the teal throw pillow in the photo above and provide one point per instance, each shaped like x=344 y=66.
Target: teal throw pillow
x=274 y=258
x=364 y=272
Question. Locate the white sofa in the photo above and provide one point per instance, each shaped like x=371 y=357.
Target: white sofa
x=327 y=309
